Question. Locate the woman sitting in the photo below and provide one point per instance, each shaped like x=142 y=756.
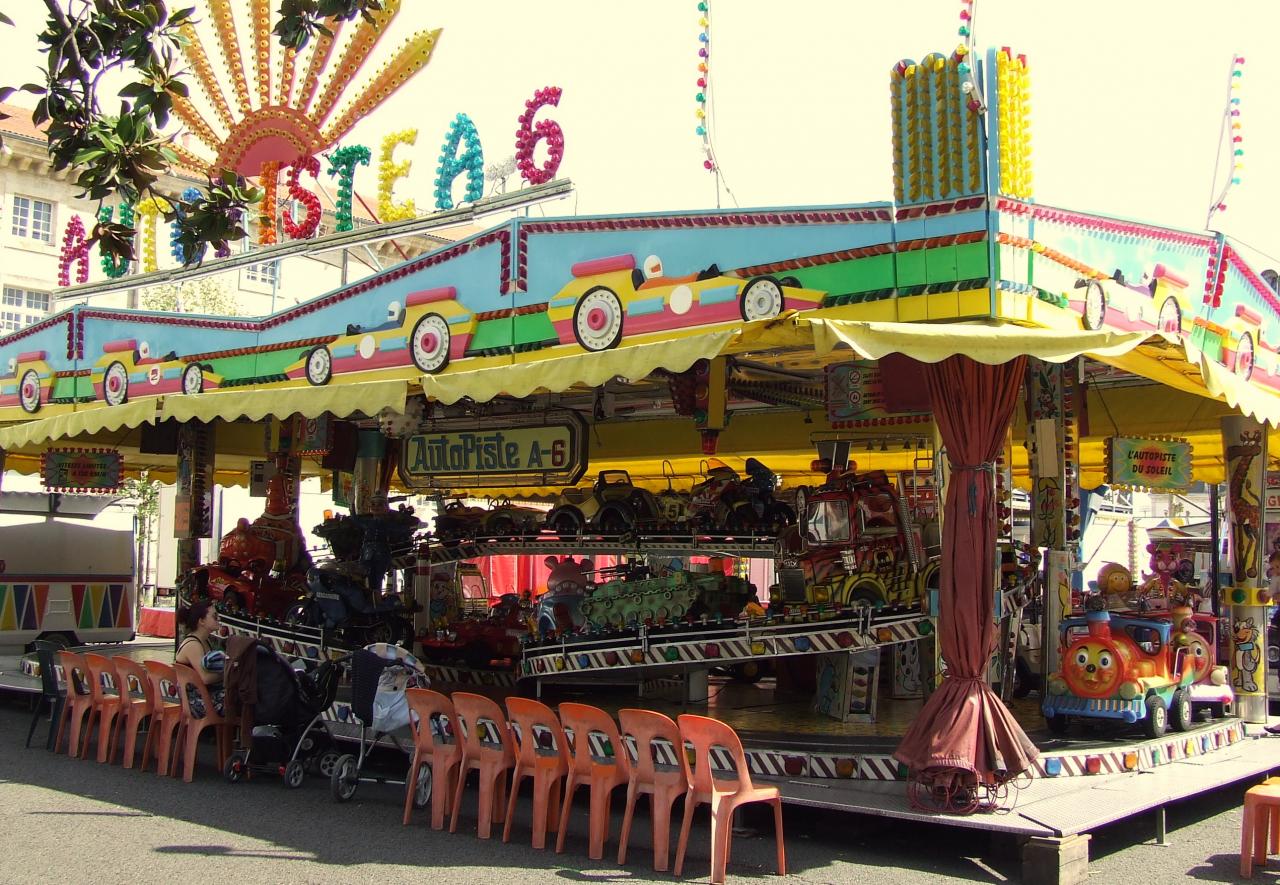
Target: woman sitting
x=200 y=620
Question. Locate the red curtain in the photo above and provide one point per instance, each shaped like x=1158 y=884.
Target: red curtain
x=964 y=729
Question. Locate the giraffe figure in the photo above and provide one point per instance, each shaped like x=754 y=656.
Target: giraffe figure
x=1246 y=506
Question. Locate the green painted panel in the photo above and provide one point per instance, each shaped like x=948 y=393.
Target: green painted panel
x=87 y=619
x=534 y=328
x=492 y=334
x=972 y=261
x=911 y=268
x=842 y=277
x=940 y=264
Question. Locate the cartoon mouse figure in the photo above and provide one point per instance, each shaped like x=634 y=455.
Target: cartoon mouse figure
x=566 y=585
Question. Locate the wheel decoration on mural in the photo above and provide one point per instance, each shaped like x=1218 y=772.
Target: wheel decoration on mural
x=1170 y=316
x=597 y=320
x=319 y=366
x=430 y=343
x=115 y=384
x=1244 y=356
x=193 y=379
x=1095 y=306
x=29 y=391
x=761 y=299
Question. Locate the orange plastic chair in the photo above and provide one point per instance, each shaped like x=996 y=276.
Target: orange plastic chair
x=137 y=703
x=724 y=795
x=492 y=758
x=601 y=774
x=105 y=707
x=1261 y=824
x=443 y=751
x=193 y=726
x=662 y=783
x=548 y=766
x=79 y=701
x=166 y=717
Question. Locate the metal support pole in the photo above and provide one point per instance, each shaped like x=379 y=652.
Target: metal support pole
x=1215 y=550
x=1244 y=442
x=1161 y=828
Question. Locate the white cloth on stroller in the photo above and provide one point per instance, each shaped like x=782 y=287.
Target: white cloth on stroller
x=390 y=705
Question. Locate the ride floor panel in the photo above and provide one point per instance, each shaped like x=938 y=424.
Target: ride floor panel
x=1053 y=807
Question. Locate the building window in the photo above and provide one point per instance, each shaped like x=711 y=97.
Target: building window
x=263 y=274
x=36 y=305
x=33 y=219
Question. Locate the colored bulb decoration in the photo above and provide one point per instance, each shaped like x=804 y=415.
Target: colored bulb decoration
x=114 y=267
x=529 y=134
x=305 y=229
x=389 y=172
x=1234 y=146
x=703 y=95
x=342 y=163
x=175 y=232
x=267 y=213
x=146 y=213
x=75 y=250
x=453 y=164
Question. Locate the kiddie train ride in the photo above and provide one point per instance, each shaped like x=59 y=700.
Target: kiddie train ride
x=1150 y=659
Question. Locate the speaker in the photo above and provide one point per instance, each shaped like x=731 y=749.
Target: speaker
x=343 y=442
x=159 y=439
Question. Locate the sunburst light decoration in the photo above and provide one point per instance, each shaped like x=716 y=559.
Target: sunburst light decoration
x=286 y=106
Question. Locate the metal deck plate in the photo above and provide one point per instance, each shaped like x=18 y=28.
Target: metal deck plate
x=1053 y=806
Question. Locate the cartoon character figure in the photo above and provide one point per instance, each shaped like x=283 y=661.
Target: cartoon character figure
x=1115 y=583
x=560 y=608
x=1245 y=656
x=1164 y=565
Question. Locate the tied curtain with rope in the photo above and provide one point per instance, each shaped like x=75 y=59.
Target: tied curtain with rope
x=965 y=741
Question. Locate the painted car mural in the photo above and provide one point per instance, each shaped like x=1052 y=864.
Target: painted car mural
x=593 y=284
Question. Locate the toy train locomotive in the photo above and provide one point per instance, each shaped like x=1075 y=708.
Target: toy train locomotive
x=1132 y=669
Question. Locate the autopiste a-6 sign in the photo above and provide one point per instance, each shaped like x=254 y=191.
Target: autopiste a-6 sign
x=542 y=450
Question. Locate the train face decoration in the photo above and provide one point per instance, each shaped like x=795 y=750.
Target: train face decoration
x=1125 y=668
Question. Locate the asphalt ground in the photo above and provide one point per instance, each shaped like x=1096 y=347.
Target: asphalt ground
x=74 y=821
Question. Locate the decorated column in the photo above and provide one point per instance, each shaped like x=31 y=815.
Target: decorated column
x=1244 y=444
x=193 y=502
x=1046 y=434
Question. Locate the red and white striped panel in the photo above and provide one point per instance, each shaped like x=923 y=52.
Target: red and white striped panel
x=878 y=768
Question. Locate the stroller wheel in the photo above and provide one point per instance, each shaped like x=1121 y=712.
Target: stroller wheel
x=294 y=773
x=345 y=779
x=327 y=762
x=422 y=790
x=233 y=771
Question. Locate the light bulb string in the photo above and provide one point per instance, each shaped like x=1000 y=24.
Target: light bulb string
x=1230 y=121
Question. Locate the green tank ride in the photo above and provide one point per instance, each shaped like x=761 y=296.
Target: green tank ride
x=667 y=598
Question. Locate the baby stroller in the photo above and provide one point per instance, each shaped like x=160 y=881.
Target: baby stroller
x=278 y=712
x=380 y=674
